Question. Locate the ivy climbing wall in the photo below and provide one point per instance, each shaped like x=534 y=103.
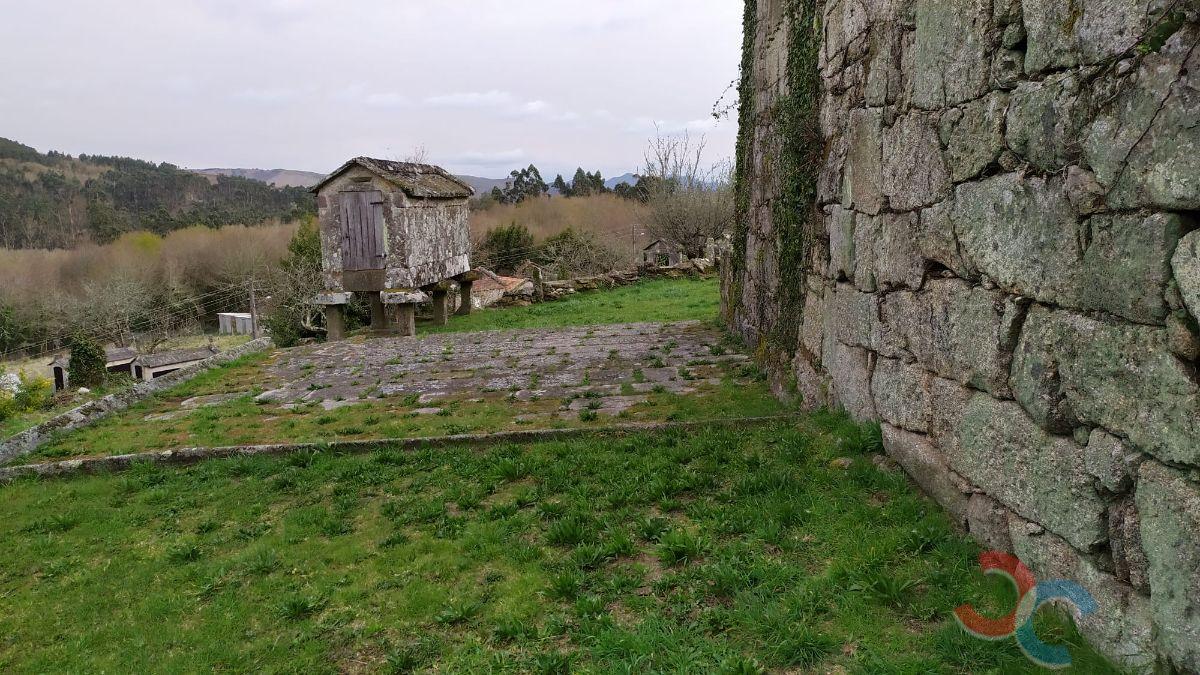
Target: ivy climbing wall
x=975 y=221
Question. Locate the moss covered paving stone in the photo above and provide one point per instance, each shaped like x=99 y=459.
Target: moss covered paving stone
x=369 y=388
x=570 y=363
x=720 y=551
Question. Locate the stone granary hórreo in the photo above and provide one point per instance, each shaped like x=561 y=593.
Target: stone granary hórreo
x=396 y=231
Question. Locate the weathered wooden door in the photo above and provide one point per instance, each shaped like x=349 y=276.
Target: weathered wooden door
x=362 y=230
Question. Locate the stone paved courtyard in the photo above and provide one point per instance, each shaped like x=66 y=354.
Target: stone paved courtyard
x=435 y=385
x=605 y=368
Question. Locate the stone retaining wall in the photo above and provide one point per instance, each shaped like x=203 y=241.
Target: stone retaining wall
x=27 y=441
x=1007 y=276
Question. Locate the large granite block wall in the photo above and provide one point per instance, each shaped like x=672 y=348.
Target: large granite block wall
x=1003 y=269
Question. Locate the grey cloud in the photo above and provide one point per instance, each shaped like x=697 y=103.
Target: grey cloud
x=305 y=83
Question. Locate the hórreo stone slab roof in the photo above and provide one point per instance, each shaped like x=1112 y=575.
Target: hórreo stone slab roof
x=424 y=181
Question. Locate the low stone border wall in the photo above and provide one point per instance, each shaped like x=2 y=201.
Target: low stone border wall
x=186 y=456
x=557 y=289
x=27 y=441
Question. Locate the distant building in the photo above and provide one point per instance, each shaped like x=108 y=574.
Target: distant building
x=235 y=323
x=491 y=288
x=396 y=231
x=149 y=366
x=663 y=253
x=116 y=360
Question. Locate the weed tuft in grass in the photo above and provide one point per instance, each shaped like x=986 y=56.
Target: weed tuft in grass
x=803 y=648
x=458 y=611
x=262 y=563
x=619 y=544
x=393 y=540
x=679 y=547
x=552 y=663
x=589 y=556
x=56 y=523
x=887 y=588
x=590 y=607
x=724 y=580
x=565 y=586
x=183 y=553
x=511 y=470
x=300 y=607
x=510 y=629
x=650 y=528
x=569 y=531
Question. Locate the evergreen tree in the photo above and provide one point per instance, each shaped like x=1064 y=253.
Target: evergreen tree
x=562 y=187
x=581 y=184
x=598 y=183
x=525 y=184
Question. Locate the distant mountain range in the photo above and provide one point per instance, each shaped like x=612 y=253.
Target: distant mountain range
x=628 y=179
x=483 y=186
x=305 y=179
x=275 y=177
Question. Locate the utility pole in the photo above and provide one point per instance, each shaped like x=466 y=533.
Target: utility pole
x=253 y=311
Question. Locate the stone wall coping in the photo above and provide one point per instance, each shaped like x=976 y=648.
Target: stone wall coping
x=187 y=456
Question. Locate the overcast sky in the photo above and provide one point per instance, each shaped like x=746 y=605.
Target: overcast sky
x=306 y=84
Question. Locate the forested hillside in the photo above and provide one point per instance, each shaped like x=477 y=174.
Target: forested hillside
x=56 y=201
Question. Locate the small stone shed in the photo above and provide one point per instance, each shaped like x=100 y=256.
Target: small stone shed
x=396 y=231
x=149 y=366
x=663 y=253
x=492 y=288
x=116 y=360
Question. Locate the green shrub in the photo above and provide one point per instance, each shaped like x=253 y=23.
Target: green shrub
x=34 y=393
x=87 y=361
x=506 y=247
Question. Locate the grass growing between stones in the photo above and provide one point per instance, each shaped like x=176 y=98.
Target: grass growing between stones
x=243 y=422
x=656 y=300
x=708 y=552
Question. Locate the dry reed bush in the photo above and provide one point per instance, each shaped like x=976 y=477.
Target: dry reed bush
x=614 y=221
x=196 y=258
x=139 y=281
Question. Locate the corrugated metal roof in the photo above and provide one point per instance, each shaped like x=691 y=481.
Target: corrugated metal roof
x=424 y=181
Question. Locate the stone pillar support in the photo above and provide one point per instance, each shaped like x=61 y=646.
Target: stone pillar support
x=466 y=281
x=405 y=301
x=378 y=315
x=406 y=320
x=335 y=323
x=335 y=318
x=440 y=317
x=464 y=302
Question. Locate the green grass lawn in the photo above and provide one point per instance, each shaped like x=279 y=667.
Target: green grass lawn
x=659 y=300
x=707 y=552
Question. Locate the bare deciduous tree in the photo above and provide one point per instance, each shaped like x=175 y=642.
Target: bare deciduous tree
x=418 y=155
x=690 y=202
